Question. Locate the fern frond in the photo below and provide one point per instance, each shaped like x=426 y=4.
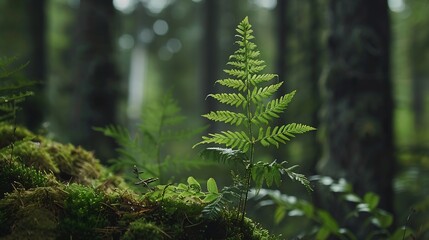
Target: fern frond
x=233 y=99
x=223 y=155
x=237 y=64
x=226 y=117
x=233 y=83
x=236 y=73
x=259 y=94
x=281 y=134
x=231 y=139
x=256 y=79
x=298 y=177
x=272 y=109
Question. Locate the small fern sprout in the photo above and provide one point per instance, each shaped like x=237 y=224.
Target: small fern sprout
x=251 y=95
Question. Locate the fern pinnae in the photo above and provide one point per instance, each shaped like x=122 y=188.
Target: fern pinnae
x=253 y=94
x=233 y=99
x=232 y=118
x=233 y=83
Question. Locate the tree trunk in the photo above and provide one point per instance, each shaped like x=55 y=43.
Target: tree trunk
x=96 y=83
x=358 y=100
x=210 y=57
x=36 y=70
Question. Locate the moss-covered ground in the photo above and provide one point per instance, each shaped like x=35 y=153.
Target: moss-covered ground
x=50 y=190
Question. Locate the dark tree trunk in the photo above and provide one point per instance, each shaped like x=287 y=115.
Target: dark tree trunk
x=36 y=70
x=210 y=57
x=358 y=99
x=314 y=60
x=282 y=31
x=96 y=83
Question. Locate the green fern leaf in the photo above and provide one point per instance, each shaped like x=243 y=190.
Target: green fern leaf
x=238 y=140
x=233 y=99
x=259 y=94
x=272 y=109
x=256 y=79
x=238 y=64
x=227 y=117
x=233 y=83
x=223 y=155
x=281 y=134
x=298 y=177
x=236 y=73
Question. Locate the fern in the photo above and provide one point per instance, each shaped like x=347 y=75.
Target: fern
x=161 y=124
x=13 y=89
x=251 y=93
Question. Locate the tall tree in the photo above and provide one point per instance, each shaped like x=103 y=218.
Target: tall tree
x=96 y=83
x=210 y=47
x=419 y=56
x=358 y=99
x=34 y=110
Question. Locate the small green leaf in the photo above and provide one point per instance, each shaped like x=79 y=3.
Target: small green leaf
x=352 y=198
x=323 y=233
x=328 y=221
x=382 y=219
x=212 y=186
x=279 y=214
x=372 y=200
x=193 y=183
x=210 y=197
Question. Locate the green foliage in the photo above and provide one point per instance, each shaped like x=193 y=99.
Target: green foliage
x=13 y=89
x=161 y=124
x=250 y=93
x=18 y=174
x=191 y=192
x=364 y=211
x=141 y=229
x=84 y=212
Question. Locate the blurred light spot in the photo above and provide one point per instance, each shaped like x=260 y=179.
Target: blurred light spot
x=164 y=54
x=197 y=1
x=268 y=4
x=146 y=35
x=396 y=5
x=156 y=6
x=126 y=41
x=160 y=27
x=125 y=6
x=174 y=45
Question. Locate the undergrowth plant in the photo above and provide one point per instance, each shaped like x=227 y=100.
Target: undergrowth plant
x=148 y=148
x=13 y=89
x=323 y=225
x=250 y=96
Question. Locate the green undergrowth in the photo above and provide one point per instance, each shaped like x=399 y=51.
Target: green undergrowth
x=58 y=191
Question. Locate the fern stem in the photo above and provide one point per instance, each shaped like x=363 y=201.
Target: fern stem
x=249 y=122
x=159 y=143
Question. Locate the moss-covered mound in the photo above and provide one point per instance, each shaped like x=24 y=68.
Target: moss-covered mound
x=50 y=190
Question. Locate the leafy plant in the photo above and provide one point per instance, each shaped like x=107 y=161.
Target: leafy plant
x=251 y=96
x=161 y=124
x=13 y=89
x=364 y=209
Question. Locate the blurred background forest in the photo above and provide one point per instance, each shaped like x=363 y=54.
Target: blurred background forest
x=360 y=68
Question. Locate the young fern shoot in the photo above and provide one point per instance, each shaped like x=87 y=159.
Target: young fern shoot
x=251 y=96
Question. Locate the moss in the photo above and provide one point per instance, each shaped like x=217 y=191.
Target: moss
x=10 y=134
x=16 y=173
x=141 y=229
x=67 y=162
x=33 y=154
x=33 y=212
x=83 y=213
x=58 y=191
